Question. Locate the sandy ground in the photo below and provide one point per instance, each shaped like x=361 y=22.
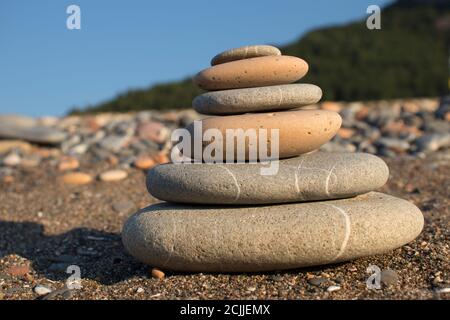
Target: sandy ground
x=47 y=225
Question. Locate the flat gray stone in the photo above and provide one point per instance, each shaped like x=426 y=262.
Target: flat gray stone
x=314 y=176
x=263 y=238
x=270 y=98
x=37 y=134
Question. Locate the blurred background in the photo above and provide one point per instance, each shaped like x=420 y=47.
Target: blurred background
x=115 y=88
x=140 y=55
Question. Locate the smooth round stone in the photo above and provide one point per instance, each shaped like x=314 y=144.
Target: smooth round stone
x=245 y=53
x=264 y=238
x=314 y=176
x=36 y=134
x=77 y=178
x=113 y=175
x=299 y=131
x=253 y=72
x=245 y=100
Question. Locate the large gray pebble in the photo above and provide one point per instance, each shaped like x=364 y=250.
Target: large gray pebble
x=315 y=176
x=281 y=97
x=263 y=238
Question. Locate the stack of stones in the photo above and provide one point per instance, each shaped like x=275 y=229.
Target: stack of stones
x=319 y=208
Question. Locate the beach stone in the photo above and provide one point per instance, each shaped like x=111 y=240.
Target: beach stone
x=153 y=131
x=8 y=145
x=275 y=237
x=77 y=178
x=314 y=176
x=245 y=53
x=113 y=175
x=41 y=290
x=389 y=277
x=282 y=97
x=68 y=163
x=144 y=162
x=37 y=134
x=299 y=131
x=12 y=160
x=253 y=72
x=433 y=142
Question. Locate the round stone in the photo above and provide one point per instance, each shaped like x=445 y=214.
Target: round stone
x=245 y=53
x=77 y=178
x=264 y=238
x=113 y=175
x=253 y=72
x=271 y=98
x=299 y=131
x=314 y=176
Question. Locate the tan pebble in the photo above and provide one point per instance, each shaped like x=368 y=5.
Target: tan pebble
x=162 y=158
x=362 y=113
x=113 y=175
x=158 y=274
x=112 y=160
x=299 y=131
x=12 y=160
x=331 y=106
x=68 y=164
x=345 y=133
x=76 y=178
x=8 y=179
x=245 y=53
x=18 y=270
x=447 y=116
x=254 y=72
x=8 y=145
x=144 y=163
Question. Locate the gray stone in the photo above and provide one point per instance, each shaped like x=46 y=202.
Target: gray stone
x=314 y=176
x=274 y=237
x=123 y=206
x=281 y=97
x=37 y=134
x=433 y=142
x=245 y=53
x=389 y=277
x=114 y=142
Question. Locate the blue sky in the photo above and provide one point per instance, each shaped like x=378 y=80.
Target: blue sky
x=46 y=69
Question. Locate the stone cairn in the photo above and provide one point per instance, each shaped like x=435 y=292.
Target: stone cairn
x=318 y=208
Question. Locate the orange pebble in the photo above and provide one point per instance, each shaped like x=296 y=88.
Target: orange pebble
x=77 y=178
x=158 y=274
x=144 y=163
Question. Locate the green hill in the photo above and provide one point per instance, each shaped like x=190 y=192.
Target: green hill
x=408 y=57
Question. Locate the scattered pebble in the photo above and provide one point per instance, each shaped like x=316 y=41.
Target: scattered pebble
x=113 y=175
x=41 y=290
x=144 y=163
x=333 y=288
x=12 y=160
x=140 y=290
x=158 y=274
x=77 y=178
x=18 y=270
x=68 y=164
x=317 y=281
x=123 y=207
x=389 y=277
